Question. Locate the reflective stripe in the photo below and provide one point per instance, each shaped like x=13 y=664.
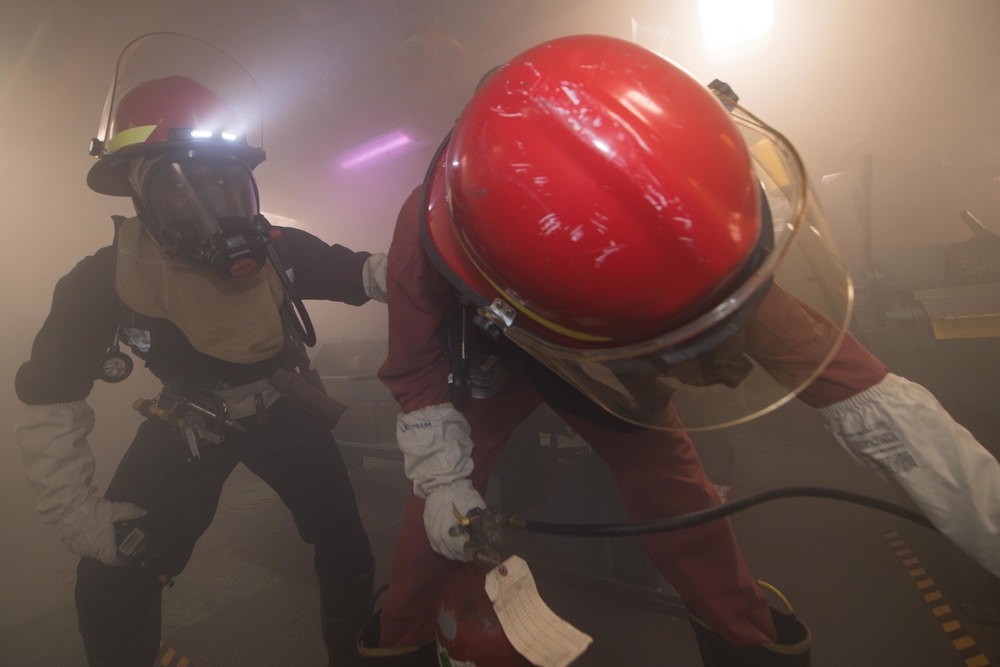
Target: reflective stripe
x=552 y=326
x=133 y=135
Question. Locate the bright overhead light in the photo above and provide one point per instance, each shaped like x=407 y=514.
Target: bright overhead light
x=734 y=28
x=381 y=146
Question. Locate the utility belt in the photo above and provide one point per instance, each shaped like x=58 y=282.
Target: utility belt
x=205 y=416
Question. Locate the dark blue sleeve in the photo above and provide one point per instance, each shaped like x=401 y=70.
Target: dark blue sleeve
x=75 y=336
x=323 y=271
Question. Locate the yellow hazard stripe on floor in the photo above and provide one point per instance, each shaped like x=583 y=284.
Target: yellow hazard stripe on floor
x=939 y=607
x=168 y=658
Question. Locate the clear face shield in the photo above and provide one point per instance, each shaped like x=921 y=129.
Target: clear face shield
x=163 y=54
x=707 y=368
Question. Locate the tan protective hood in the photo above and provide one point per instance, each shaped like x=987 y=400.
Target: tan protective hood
x=232 y=320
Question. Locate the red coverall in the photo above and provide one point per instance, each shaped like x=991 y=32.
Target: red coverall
x=657 y=473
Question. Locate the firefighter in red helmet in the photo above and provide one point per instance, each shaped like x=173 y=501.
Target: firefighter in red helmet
x=178 y=150
x=209 y=295
x=633 y=249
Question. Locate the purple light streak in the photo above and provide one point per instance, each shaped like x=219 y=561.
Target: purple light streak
x=378 y=147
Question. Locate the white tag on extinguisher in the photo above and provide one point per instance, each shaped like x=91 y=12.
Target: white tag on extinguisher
x=532 y=628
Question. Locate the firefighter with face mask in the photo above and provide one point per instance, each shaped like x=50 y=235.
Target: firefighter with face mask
x=612 y=234
x=208 y=294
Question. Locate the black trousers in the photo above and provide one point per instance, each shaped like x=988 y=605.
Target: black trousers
x=118 y=608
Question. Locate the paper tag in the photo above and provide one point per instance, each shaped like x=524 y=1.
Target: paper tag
x=531 y=627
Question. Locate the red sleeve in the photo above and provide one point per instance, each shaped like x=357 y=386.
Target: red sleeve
x=788 y=339
x=416 y=369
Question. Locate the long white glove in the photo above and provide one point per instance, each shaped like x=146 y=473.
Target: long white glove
x=898 y=429
x=374 y=277
x=60 y=466
x=437 y=458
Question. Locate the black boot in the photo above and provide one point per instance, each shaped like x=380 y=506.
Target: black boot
x=345 y=604
x=791 y=650
x=405 y=656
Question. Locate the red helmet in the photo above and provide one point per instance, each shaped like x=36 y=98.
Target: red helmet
x=173 y=93
x=468 y=630
x=613 y=217
x=173 y=114
x=601 y=189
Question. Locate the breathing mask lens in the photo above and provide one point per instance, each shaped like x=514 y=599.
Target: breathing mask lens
x=205 y=215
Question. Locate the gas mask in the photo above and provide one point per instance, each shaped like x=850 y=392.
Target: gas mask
x=204 y=211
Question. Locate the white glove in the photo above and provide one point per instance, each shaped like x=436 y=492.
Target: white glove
x=60 y=466
x=374 y=277
x=437 y=457
x=439 y=517
x=898 y=429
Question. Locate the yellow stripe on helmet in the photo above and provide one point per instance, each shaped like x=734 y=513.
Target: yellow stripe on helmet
x=133 y=135
x=552 y=326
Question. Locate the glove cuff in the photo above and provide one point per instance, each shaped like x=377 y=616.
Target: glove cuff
x=437 y=447
x=57 y=458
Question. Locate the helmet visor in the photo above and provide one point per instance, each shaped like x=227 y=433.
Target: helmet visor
x=737 y=361
x=158 y=55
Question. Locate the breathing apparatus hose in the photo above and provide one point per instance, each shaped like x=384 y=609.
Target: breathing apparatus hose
x=293 y=310
x=703 y=516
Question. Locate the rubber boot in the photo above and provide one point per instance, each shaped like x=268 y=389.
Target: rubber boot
x=344 y=604
x=118 y=610
x=791 y=650
x=402 y=656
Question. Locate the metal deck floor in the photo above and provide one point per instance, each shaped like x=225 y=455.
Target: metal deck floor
x=875 y=590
